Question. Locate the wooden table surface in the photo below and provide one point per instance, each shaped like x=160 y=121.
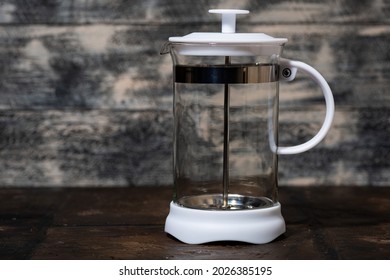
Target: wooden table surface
x=128 y=223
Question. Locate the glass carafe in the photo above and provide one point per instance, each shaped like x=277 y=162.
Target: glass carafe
x=225 y=154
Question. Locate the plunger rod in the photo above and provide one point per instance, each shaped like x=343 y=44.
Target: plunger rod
x=226 y=136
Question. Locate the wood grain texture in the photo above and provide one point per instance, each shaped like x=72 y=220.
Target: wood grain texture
x=85 y=97
x=77 y=148
x=187 y=11
x=128 y=223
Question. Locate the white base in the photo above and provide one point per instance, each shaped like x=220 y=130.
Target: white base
x=195 y=226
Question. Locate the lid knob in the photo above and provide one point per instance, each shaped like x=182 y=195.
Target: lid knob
x=228 y=18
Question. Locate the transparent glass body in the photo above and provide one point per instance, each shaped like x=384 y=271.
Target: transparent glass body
x=225 y=130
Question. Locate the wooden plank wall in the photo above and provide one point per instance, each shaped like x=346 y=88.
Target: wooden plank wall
x=85 y=97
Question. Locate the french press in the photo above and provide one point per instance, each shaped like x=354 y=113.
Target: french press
x=225 y=154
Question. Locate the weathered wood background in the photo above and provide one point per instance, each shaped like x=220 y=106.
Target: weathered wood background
x=85 y=97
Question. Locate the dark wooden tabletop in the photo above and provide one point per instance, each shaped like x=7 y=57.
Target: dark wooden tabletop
x=128 y=223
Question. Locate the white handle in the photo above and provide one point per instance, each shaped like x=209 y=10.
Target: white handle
x=288 y=69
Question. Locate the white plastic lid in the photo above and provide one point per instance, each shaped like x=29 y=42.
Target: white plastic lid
x=228 y=35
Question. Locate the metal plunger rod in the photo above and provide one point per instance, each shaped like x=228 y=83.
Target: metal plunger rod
x=226 y=133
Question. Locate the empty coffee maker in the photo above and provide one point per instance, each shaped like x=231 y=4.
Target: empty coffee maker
x=225 y=154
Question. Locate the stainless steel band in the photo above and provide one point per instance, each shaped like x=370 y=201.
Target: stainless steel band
x=227 y=74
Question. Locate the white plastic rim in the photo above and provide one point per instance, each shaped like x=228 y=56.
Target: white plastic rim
x=329 y=102
x=196 y=226
x=227 y=35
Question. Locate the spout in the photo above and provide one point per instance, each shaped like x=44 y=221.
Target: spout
x=165 y=48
